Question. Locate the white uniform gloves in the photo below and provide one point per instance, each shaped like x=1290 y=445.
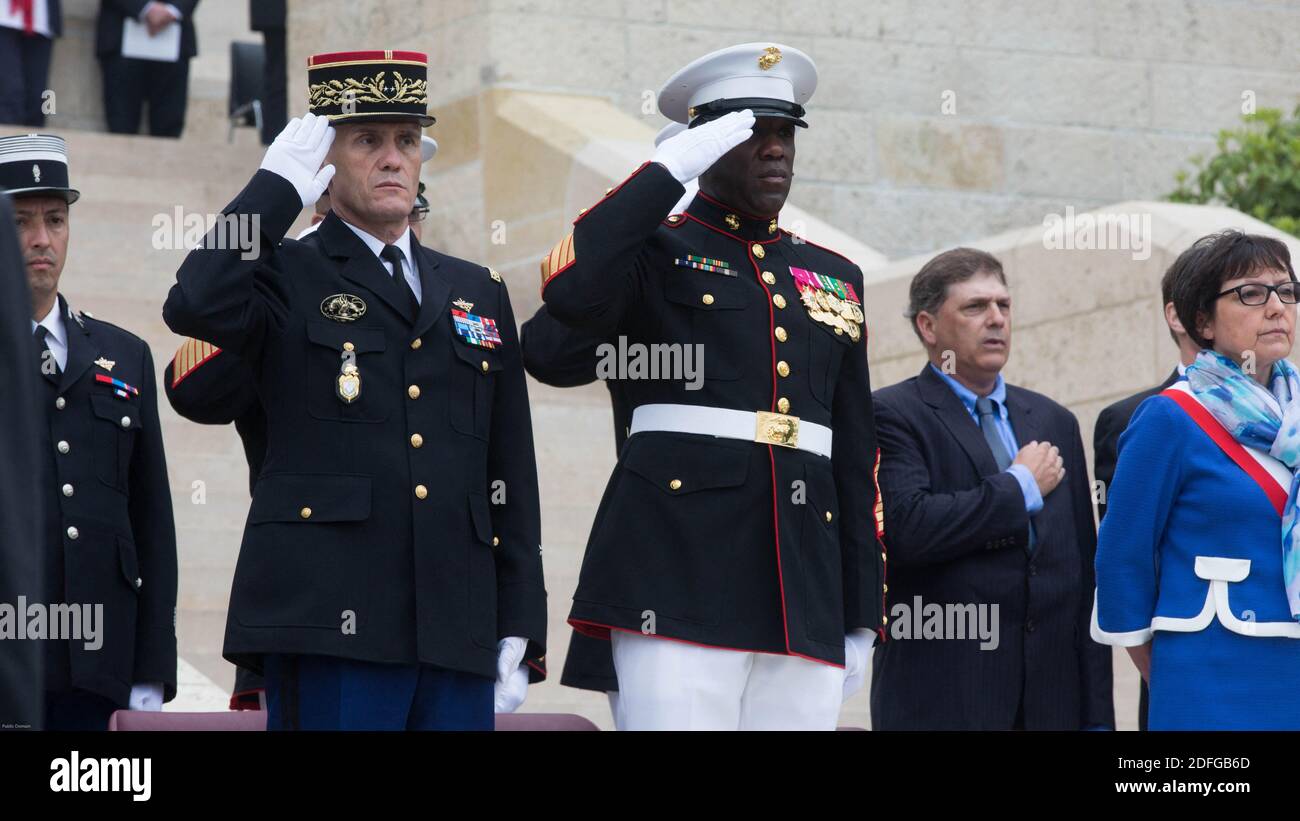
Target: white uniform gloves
x=692 y=152
x=512 y=675
x=146 y=697
x=297 y=154
x=857 y=657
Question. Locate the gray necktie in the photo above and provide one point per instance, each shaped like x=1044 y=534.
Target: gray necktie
x=988 y=411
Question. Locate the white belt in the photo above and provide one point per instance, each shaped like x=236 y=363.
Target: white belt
x=753 y=426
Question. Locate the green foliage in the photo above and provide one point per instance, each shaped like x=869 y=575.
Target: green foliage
x=1256 y=170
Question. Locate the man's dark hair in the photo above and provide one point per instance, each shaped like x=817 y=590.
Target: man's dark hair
x=929 y=287
x=1197 y=276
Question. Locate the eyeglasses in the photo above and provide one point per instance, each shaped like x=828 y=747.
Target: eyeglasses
x=418 y=214
x=1256 y=294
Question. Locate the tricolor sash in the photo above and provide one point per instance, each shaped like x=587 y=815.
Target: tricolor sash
x=1263 y=473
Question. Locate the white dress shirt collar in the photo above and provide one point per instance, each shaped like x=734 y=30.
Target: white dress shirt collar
x=58 y=333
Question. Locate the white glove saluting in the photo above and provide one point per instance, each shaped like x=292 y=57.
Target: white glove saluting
x=692 y=152
x=297 y=154
x=857 y=655
x=512 y=676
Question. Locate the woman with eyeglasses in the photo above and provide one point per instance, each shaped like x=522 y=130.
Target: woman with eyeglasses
x=1198 y=565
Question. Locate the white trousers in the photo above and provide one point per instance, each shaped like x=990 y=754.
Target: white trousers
x=668 y=685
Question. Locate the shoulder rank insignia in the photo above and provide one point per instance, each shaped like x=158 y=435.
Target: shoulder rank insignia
x=830 y=301
x=343 y=307
x=476 y=330
x=119 y=387
x=463 y=305
x=715 y=266
x=189 y=356
x=492 y=272
x=106 y=364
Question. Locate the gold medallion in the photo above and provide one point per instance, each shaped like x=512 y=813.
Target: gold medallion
x=348 y=385
x=733 y=222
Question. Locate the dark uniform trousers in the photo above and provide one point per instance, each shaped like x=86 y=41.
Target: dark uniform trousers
x=718 y=541
x=109 y=535
x=401 y=528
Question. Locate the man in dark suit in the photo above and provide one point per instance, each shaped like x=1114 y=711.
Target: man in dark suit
x=28 y=29
x=21 y=665
x=390 y=575
x=1113 y=419
x=130 y=82
x=989 y=516
x=268 y=17
x=108 y=540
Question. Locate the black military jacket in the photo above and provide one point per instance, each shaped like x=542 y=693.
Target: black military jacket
x=720 y=541
x=564 y=357
x=403 y=525
x=110 y=537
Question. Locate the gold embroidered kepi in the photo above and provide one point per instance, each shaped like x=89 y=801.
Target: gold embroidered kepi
x=351 y=86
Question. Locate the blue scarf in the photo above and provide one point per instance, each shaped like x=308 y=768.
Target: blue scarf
x=1265 y=419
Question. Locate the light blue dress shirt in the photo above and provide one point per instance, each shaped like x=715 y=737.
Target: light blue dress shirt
x=1029 y=487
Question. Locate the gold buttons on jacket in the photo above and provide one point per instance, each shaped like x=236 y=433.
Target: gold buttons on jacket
x=63 y=447
x=675 y=484
x=415 y=344
x=609 y=191
x=707 y=299
x=783 y=368
x=496 y=541
x=348 y=346
x=421 y=491
x=780 y=334
x=778 y=301
x=485 y=366
x=305 y=513
x=783 y=405
x=417 y=441
x=67 y=490
x=413 y=391
x=674 y=218
x=759 y=251
x=769 y=277
x=828 y=517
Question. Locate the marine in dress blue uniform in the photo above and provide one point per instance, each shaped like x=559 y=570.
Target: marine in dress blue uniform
x=743 y=516
x=391 y=562
x=108 y=533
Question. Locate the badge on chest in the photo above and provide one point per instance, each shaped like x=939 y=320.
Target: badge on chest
x=479 y=331
x=830 y=301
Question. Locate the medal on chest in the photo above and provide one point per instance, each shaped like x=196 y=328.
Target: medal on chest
x=830 y=301
x=348 y=384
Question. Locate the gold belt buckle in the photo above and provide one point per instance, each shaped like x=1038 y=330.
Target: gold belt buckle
x=777 y=429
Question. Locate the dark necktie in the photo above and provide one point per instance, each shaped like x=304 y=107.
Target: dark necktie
x=393 y=255
x=988 y=411
x=44 y=355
